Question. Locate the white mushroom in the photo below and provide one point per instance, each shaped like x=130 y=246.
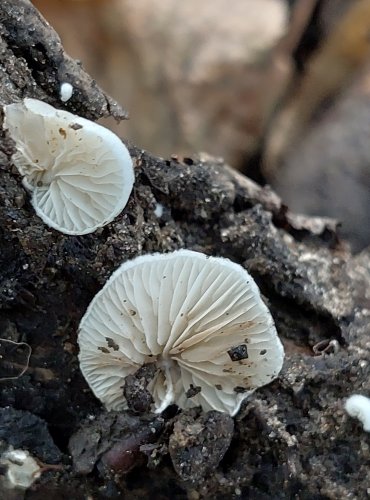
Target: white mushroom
x=66 y=91
x=358 y=406
x=22 y=468
x=200 y=319
x=80 y=173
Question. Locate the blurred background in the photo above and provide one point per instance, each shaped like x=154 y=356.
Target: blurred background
x=279 y=88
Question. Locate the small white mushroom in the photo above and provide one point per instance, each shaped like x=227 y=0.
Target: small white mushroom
x=22 y=468
x=158 y=210
x=200 y=319
x=358 y=406
x=80 y=173
x=66 y=91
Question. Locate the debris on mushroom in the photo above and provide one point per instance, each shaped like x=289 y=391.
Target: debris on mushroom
x=135 y=390
x=80 y=174
x=358 y=406
x=199 y=319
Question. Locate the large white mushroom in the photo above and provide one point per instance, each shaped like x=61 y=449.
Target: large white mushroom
x=80 y=173
x=200 y=319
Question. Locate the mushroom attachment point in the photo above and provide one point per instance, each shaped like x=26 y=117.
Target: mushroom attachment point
x=80 y=174
x=200 y=320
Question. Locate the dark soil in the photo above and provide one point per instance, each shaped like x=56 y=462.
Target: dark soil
x=291 y=439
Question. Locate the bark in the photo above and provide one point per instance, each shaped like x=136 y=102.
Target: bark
x=292 y=438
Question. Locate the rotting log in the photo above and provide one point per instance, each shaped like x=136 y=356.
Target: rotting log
x=292 y=438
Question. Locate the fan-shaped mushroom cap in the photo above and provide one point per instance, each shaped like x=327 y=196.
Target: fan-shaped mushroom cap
x=200 y=319
x=80 y=173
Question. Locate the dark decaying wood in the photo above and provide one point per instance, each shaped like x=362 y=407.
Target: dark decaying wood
x=292 y=439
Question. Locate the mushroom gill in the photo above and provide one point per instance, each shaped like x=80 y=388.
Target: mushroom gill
x=200 y=319
x=80 y=174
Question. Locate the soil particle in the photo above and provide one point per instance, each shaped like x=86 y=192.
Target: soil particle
x=112 y=442
x=135 y=390
x=199 y=442
x=238 y=353
x=25 y=431
x=193 y=391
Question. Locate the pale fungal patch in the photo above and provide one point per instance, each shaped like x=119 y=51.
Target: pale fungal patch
x=358 y=406
x=22 y=469
x=200 y=319
x=66 y=91
x=80 y=173
x=158 y=211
